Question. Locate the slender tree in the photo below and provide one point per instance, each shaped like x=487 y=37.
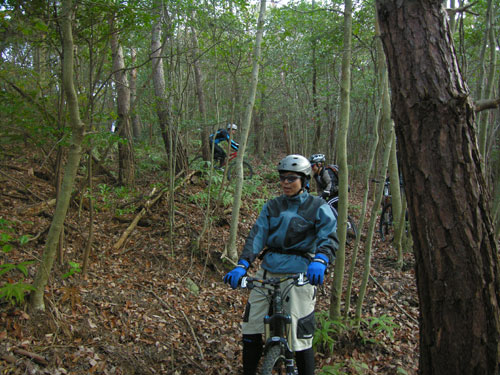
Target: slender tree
x=232 y=251
x=74 y=155
x=457 y=267
x=345 y=105
x=170 y=136
x=126 y=167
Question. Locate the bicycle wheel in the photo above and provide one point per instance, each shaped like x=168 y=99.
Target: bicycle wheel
x=274 y=362
x=386 y=228
x=247 y=170
x=352 y=230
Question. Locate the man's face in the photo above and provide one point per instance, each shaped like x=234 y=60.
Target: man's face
x=315 y=168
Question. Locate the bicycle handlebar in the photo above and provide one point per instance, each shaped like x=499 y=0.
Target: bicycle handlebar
x=248 y=281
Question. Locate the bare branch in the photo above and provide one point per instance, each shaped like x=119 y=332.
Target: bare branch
x=483 y=104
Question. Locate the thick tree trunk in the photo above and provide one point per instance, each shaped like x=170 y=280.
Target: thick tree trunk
x=456 y=255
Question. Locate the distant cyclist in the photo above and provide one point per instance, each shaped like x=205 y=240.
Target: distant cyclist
x=327 y=184
x=222 y=135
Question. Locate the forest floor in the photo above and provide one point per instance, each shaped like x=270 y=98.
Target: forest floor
x=149 y=307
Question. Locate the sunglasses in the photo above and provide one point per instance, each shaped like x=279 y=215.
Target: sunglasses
x=290 y=179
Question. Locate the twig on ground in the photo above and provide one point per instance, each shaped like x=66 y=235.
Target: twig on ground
x=395 y=302
x=35 y=357
x=194 y=335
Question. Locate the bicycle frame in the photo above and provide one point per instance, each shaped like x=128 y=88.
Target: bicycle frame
x=278 y=325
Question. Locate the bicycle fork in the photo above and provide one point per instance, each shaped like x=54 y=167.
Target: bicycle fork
x=277 y=320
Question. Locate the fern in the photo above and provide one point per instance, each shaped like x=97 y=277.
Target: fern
x=14 y=293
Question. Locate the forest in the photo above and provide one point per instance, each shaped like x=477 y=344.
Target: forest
x=118 y=224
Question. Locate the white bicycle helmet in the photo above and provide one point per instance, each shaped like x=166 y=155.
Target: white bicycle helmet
x=295 y=163
x=232 y=127
x=317 y=158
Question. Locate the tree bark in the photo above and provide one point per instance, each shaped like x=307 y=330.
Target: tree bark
x=171 y=140
x=198 y=79
x=457 y=266
x=126 y=166
x=232 y=250
x=74 y=155
x=345 y=105
x=136 y=121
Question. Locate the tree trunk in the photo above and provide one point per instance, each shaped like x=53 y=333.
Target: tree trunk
x=126 y=166
x=171 y=140
x=316 y=123
x=198 y=79
x=232 y=251
x=258 y=128
x=75 y=152
x=345 y=105
x=385 y=125
x=457 y=266
x=487 y=84
x=136 y=121
x=395 y=196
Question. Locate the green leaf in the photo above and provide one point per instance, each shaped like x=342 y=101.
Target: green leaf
x=24 y=239
x=4 y=268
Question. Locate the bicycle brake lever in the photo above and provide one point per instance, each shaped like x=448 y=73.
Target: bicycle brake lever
x=300 y=280
x=243 y=283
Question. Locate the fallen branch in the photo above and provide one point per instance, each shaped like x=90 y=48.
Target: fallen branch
x=38 y=208
x=35 y=357
x=194 y=335
x=152 y=200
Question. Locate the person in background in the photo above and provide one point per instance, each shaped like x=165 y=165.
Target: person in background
x=294 y=233
x=223 y=135
x=327 y=184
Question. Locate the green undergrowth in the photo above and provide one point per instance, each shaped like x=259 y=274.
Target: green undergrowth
x=333 y=335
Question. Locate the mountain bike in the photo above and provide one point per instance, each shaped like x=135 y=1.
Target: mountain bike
x=352 y=230
x=386 y=224
x=231 y=165
x=278 y=356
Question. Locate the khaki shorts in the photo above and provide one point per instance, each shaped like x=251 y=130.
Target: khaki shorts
x=299 y=304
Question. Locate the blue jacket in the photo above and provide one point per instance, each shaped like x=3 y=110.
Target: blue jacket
x=223 y=135
x=294 y=227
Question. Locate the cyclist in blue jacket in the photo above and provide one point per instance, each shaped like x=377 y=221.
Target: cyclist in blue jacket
x=298 y=232
x=223 y=135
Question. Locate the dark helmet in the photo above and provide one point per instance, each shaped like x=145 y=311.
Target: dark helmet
x=295 y=163
x=317 y=158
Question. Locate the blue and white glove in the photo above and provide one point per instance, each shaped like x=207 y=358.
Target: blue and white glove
x=316 y=269
x=234 y=276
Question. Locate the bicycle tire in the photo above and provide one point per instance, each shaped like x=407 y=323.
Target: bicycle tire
x=274 y=361
x=352 y=229
x=247 y=171
x=386 y=225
